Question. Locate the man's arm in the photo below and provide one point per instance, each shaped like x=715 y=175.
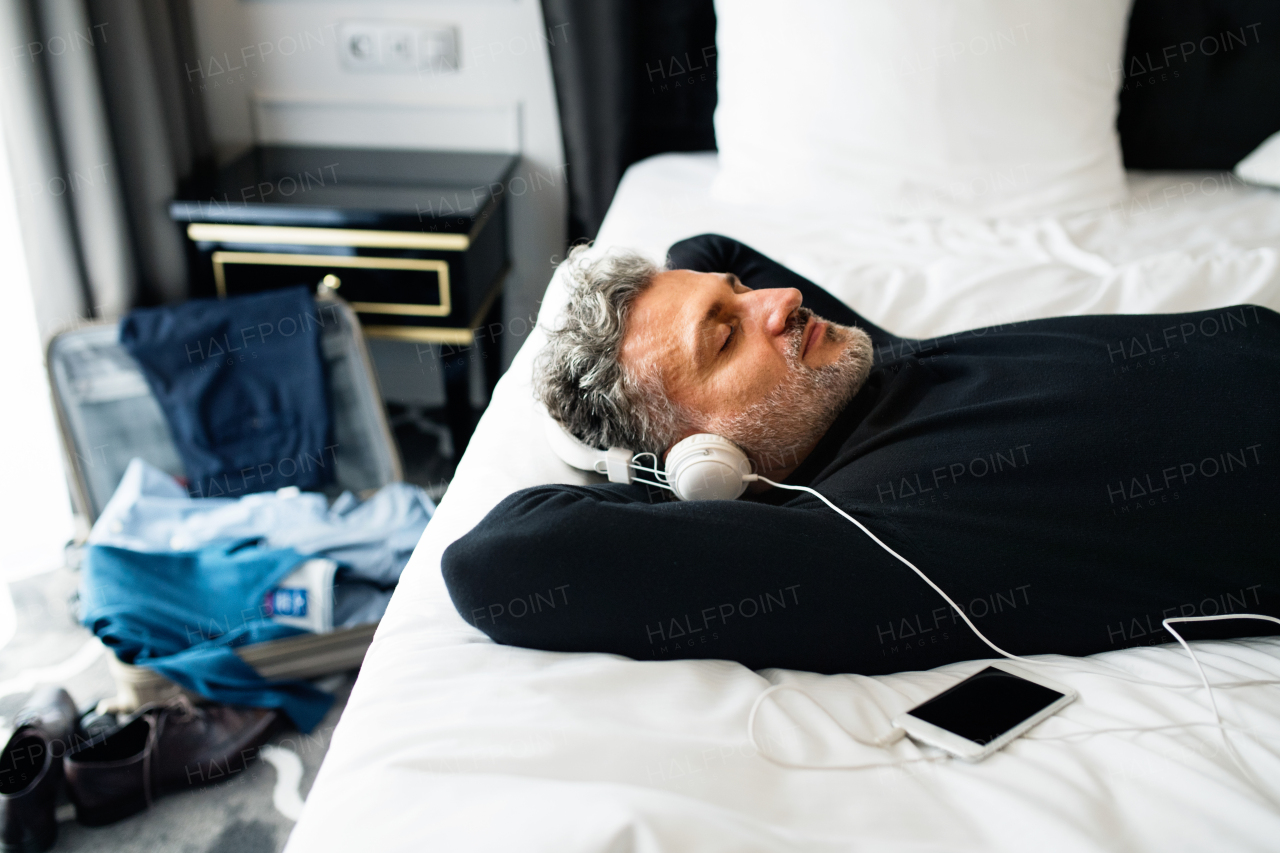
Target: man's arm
x=717 y=253
x=599 y=569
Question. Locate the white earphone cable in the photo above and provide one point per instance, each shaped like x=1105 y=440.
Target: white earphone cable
x=897 y=734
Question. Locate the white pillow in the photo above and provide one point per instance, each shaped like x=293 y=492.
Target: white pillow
x=920 y=107
x=1263 y=165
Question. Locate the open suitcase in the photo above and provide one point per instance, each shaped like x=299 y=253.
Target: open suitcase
x=107 y=415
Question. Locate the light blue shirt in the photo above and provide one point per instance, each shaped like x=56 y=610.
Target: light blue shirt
x=150 y=512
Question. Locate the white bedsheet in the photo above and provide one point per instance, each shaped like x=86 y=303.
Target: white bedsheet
x=451 y=742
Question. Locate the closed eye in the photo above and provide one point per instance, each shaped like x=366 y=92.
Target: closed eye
x=728 y=338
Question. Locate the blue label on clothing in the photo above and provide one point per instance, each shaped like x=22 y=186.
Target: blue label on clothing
x=286 y=602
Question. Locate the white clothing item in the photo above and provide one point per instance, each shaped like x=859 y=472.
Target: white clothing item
x=305 y=598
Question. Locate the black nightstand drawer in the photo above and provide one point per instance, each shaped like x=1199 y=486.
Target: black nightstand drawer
x=414 y=287
x=415 y=241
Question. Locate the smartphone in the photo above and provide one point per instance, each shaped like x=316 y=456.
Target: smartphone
x=985 y=711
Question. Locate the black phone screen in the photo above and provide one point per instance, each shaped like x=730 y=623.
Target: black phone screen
x=986 y=705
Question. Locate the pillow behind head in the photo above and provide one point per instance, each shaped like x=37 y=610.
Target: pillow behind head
x=920 y=107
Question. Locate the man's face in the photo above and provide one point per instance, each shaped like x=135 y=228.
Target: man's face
x=751 y=365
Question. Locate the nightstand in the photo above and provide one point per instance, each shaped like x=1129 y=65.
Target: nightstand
x=416 y=241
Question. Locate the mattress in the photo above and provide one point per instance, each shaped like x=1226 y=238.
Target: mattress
x=451 y=742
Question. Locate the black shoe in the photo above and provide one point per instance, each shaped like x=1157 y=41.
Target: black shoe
x=162 y=749
x=31 y=771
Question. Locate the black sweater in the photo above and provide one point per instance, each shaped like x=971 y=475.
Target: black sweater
x=1070 y=482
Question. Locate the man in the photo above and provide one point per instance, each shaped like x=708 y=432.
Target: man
x=1070 y=482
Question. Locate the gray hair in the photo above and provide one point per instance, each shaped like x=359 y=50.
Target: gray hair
x=580 y=376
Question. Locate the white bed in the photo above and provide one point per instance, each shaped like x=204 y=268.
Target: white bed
x=451 y=742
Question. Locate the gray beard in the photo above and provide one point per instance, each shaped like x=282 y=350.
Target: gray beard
x=802 y=407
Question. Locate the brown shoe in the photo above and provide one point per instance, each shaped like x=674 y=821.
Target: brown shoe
x=31 y=771
x=161 y=750
x=208 y=744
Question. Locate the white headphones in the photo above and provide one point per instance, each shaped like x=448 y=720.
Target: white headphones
x=702 y=467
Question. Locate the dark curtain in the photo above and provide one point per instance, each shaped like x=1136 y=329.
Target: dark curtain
x=158 y=128
x=100 y=128
x=1201 y=82
x=633 y=78
x=66 y=189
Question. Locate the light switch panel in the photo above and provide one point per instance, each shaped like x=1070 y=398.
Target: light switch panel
x=397 y=46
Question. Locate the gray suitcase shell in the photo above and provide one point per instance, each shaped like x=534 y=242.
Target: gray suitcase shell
x=107 y=415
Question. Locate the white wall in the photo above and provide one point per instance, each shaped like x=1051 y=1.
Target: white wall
x=281 y=80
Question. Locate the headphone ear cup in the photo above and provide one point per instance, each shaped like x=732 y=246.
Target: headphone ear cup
x=706 y=467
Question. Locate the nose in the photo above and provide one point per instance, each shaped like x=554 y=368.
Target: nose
x=774 y=306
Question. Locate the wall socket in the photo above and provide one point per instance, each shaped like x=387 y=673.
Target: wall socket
x=397 y=46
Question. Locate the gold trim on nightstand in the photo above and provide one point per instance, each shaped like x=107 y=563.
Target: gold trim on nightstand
x=290 y=235
x=421 y=334
x=441 y=334
x=440 y=268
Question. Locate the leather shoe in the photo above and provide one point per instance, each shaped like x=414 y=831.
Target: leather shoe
x=161 y=749
x=31 y=771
